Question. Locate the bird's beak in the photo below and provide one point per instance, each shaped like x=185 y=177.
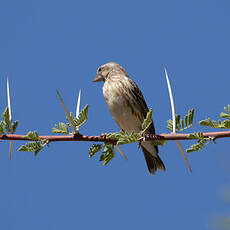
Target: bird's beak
x=98 y=78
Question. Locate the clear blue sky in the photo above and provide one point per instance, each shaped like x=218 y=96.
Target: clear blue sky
x=49 y=45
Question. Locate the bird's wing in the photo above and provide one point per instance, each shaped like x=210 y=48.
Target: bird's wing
x=140 y=101
x=139 y=98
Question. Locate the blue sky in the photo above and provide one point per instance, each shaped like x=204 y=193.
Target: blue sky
x=49 y=45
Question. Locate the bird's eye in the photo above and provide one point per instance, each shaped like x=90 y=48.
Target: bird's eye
x=100 y=69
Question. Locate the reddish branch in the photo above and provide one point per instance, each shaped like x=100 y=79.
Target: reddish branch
x=103 y=138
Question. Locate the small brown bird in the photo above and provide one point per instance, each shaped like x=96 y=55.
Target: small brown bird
x=128 y=108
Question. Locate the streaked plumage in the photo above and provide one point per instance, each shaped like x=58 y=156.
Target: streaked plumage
x=128 y=108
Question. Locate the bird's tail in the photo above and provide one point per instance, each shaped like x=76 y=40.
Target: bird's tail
x=153 y=162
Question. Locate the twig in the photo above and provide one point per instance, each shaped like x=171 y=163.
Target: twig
x=104 y=138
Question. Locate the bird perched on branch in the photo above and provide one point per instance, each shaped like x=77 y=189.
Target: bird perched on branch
x=128 y=108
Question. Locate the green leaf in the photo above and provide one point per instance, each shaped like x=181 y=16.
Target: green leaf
x=191 y=116
x=37 y=151
x=200 y=145
x=82 y=118
x=227 y=109
x=225 y=115
x=6 y=120
x=225 y=124
x=180 y=123
x=94 y=149
x=6 y=124
x=126 y=138
x=197 y=135
x=108 y=154
x=72 y=122
x=1 y=128
x=202 y=142
x=170 y=125
x=147 y=121
x=210 y=123
x=32 y=147
x=186 y=120
x=220 y=125
x=115 y=135
x=61 y=128
x=32 y=135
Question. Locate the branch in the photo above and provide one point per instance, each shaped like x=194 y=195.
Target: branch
x=104 y=138
x=186 y=136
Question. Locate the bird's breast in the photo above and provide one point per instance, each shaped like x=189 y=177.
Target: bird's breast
x=120 y=109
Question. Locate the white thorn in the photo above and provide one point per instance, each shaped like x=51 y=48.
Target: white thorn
x=174 y=120
x=10 y=113
x=171 y=101
x=8 y=99
x=78 y=104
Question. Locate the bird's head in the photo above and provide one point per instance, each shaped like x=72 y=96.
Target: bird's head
x=104 y=71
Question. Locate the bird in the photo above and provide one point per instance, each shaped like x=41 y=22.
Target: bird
x=128 y=108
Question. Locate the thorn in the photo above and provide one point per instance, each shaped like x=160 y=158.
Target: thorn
x=120 y=151
x=171 y=101
x=11 y=149
x=10 y=114
x=66 y=112
x=174 y=119
x=78 y=104
x=184 y=156
x=8 y=99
